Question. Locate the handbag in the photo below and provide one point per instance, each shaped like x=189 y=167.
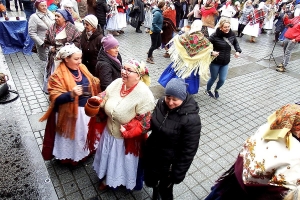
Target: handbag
x=5 y=96
x=167 y=75
x=134 y=21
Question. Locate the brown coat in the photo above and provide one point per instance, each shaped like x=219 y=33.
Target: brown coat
x=168 y=29
x=91 y=7
x=90 y=49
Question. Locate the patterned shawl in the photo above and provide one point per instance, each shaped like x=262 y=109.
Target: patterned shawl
x=283 y=123
x=71 y=32
x=257 y=16
x=191 y=53
x=62 y=81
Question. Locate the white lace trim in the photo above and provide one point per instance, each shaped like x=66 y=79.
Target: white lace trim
x=111 y=161
x=65 y=148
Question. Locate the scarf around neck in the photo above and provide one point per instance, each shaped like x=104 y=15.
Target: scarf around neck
x=113 y=58
x=60 y=82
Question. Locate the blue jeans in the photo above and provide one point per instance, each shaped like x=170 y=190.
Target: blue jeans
x=215 y=70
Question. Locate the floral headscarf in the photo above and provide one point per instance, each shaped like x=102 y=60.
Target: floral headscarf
x=141 y=69
x=283 y=123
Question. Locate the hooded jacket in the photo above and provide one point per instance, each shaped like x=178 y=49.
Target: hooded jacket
x=107 y=70
x=157 y=21
x=173 y=141
x=223 y=47
x=90 y=49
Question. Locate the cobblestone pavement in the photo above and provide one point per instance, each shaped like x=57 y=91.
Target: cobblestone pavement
x=251 y=93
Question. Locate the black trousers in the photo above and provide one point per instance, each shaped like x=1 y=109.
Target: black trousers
x=138 y=26
x=155 y=43
x=7 y=4
x=164 y=190
x=20 y=4
x=240 y=29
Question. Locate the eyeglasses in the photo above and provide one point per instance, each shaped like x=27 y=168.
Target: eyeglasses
x=128 y=71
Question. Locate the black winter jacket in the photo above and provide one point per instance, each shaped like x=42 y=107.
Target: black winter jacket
x=107 y=70
x=173 y=141
x=101 y=10
x=223 y=47
x=90 y=49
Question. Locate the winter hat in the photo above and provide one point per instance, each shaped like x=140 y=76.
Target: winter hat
x=66 y=14
x=92 y=20
x=176 y=87
x=109 y=42
x=37 y=3
x=68 y=4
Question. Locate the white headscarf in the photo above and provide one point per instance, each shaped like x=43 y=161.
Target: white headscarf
x=64 y=52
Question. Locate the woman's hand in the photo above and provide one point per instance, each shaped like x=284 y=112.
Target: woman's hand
x=77 y=90
x=237 y=54
x=215 y=53
x=122 y=129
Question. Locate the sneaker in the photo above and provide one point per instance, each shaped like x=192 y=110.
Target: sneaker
x=281 y=69
x=217 y=94
x=209 y=93
x=138 y=31
x=149 y=60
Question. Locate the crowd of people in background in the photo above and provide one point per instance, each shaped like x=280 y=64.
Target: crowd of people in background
x=77 y=44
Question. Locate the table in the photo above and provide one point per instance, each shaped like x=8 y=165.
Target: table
x=14 y=36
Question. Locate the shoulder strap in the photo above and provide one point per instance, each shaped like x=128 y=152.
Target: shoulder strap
x=229 y=43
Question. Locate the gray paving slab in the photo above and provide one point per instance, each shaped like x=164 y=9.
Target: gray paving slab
x=251 y=93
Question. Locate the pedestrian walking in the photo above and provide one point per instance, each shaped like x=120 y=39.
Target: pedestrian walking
x=223 y=41
x=174 y=139
x=292 y=38
x=139 y=4
x=29 y=8
x=38 y=24
x=156 y=30
x=20 y=5
x=243 y=21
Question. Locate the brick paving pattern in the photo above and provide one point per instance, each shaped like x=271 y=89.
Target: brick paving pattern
x=251 y=93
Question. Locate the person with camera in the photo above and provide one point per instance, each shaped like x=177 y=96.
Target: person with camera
x=292 y=37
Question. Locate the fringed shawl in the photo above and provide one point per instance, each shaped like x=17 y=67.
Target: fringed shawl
x=191 y=53
x=62 y=81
